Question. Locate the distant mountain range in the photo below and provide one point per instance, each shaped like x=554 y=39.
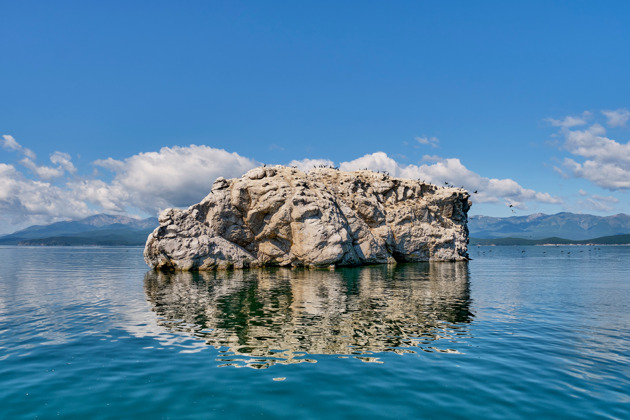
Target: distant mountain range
x=571 y=226
x=101 y=229
x=561 y=228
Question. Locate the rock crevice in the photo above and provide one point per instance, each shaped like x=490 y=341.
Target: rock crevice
x=281 y=216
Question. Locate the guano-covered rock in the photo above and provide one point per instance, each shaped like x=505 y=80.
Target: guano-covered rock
x=281 y=216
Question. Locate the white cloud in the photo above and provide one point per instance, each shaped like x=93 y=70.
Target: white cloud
x=606 y=175
x=582 y=192
x=607 y=198
x=452 y=171
x=308 y=164
x=111 y=198
x=431 y=141
x=598 y=203
x=174 y=176
x=378 y=161
x=43 y=172
x=9 y=143
x=63 y=160
x=570 y=121
x=48 y=173
x=616 y=118
x=431 y=158
x=181 y=176
x=111 y=164
x=26 y=200
x=592 y=143
x=598 y=158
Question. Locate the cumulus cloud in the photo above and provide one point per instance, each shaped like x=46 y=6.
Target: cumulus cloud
x=452 y=171
x=606 y=175
x=617 y=118
x=48 y=173
x=181 y=176
x=378 y=161
x=596 y=157
x=26 y=200
x=110 y=198
x=173 y=177
x=308 y=164
x=63 y=160
x=9 y=143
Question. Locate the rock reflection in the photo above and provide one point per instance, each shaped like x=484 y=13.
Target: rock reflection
x=262 y=317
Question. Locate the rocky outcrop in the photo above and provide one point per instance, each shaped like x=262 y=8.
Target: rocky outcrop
x=281 y=216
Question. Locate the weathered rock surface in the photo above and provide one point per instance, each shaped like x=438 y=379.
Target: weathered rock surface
x=281 y=216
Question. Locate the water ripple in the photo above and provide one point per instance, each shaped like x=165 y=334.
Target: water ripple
x=88 y=333
x=258 y=313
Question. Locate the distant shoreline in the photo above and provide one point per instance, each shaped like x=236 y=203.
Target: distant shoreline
x=548 y=245
x=553 y=241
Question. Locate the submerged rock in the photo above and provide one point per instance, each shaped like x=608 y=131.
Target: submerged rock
x=281 y=216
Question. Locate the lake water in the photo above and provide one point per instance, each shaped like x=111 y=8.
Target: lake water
x=518 y=332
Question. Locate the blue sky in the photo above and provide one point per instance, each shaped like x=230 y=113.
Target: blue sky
x=129 y=107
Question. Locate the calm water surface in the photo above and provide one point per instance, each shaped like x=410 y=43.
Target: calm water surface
x=518 y=332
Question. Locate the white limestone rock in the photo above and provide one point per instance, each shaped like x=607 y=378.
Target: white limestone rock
x=281 y=216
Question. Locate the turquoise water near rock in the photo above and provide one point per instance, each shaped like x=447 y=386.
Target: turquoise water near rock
x=518 y=332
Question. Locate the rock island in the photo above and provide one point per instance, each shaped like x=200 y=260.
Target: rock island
x=282 y=216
